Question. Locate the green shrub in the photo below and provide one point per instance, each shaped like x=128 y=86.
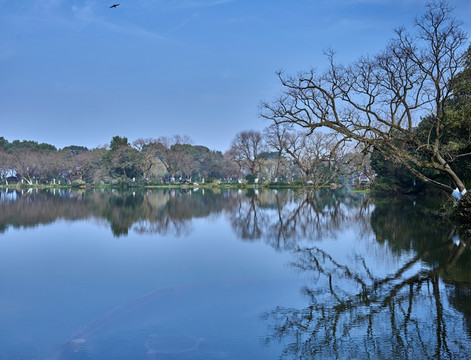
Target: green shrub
x=266 y=183
x=209 y=180
x=250 y=178
x=215 y=184
x=78 y=183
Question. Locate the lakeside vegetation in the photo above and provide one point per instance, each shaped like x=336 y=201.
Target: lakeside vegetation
x=171 y=162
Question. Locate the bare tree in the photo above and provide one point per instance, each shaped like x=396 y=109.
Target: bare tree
x=26 y=164
x=77 y=163
x=377 y=101
x=125 y=161
x=5 y=165
x=172 y=154
x=275 y=138
x=149 y=160
x=246 y=149
x=95 y=169
x=318 y=155
x=230 y=166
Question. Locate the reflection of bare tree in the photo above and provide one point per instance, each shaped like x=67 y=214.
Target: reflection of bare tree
x=317 y=214
x=283 y=218
x=158 y=219
x=354 y=314
x=164 y=226
x=247 y=218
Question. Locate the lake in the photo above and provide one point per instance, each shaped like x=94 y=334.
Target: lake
x=230 y=274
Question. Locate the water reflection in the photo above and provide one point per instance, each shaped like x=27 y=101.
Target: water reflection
x=281 y=218
x=163 y=212
x=387 y=279
x=354 y=311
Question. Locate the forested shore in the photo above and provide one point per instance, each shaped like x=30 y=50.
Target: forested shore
x=252 y=159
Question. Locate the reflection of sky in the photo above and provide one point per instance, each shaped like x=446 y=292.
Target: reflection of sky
x=60 y=277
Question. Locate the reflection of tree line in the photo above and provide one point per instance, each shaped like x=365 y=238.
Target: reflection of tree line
x=31 y=208
x=282 y=218
x=171 y=211
x=279 y=217
x=419 y=311
x=168 y=211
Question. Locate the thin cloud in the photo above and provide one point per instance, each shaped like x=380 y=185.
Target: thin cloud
x=130 y=29
x=199 y=3
x=183 y=23
x=59 y=13
x=86 y=15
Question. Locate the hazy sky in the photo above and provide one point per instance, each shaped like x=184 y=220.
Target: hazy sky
x=77 y=72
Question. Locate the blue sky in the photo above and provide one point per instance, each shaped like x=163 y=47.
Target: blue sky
x=77 y=72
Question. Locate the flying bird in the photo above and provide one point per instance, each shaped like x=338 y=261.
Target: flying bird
x=114 y=6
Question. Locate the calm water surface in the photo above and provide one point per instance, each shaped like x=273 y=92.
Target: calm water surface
x=199 y=274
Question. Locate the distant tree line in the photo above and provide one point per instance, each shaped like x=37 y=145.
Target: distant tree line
x=148 y=160
x=278 y=154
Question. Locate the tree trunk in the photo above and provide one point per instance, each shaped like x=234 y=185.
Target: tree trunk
x=453 y=176
x=464 y=209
